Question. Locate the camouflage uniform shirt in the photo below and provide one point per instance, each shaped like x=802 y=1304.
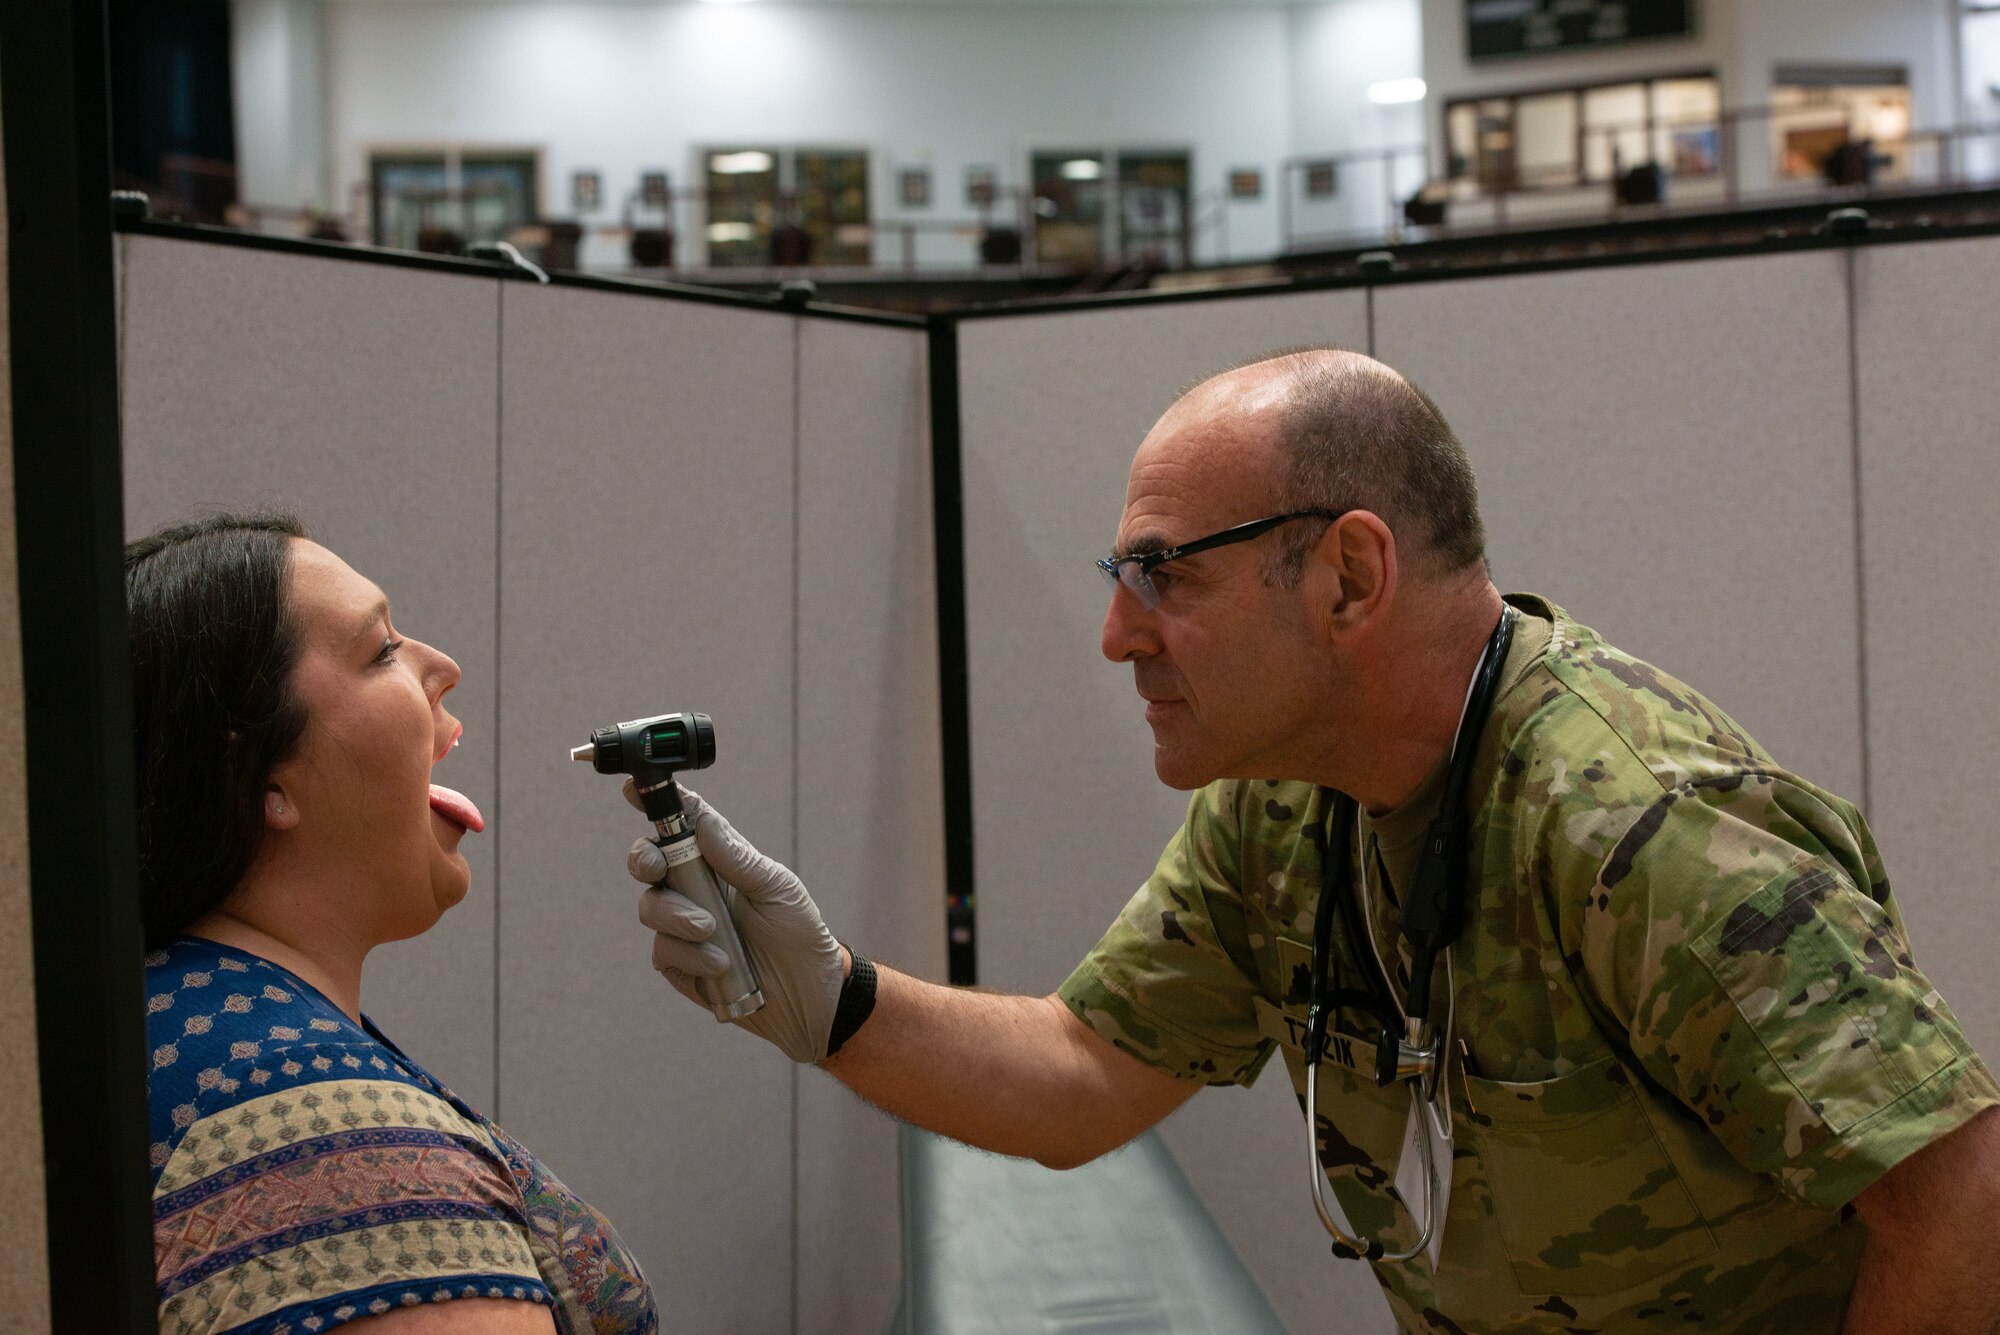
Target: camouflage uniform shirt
x=1693 y=1026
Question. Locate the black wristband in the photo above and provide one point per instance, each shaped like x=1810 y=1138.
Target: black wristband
x=857 y=1001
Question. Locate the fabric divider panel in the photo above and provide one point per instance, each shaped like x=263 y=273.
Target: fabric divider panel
x=363 y=397
x=1665 y=451
x=871 y=832
x=1069 y=817
x=1929 y=418
x=647 y=566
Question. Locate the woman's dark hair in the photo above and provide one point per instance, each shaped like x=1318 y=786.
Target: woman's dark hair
x=214 y=643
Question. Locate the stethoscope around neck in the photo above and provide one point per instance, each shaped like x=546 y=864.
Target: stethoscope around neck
x=1407 y=1047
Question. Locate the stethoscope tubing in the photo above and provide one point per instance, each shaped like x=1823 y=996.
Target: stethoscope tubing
x=1427 y=1092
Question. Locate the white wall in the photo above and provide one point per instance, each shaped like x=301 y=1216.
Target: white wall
x=1336 y=52
x=276 y=58
x=623 y=87
x=1979 y=57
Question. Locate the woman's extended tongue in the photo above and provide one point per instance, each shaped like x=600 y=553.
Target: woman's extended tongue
x=456 y=807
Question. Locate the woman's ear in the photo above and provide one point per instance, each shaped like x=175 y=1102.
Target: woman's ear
x=280 y=812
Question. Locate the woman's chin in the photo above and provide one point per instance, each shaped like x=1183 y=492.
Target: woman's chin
x=451 y=875
x=452 y=882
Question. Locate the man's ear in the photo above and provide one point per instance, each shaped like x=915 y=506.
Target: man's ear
x=1352 y=573
x=280 y=812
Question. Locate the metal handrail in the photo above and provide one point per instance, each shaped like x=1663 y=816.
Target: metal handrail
x=894 y=244
x=1945 y=147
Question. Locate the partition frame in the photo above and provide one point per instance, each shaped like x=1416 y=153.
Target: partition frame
x=404 y=259
x=69 y=517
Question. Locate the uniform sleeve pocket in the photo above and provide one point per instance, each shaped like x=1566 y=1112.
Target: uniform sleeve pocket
x=1585 y=1196
x=1822 y=975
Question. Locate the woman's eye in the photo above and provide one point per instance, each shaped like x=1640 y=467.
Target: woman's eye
x=389 y=648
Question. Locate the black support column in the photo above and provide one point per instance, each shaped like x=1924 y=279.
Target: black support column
x=75 y=669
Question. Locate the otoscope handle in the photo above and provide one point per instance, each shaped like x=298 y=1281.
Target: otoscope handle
x=736 y=993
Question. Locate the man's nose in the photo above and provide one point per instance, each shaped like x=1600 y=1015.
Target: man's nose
x=1129 y=633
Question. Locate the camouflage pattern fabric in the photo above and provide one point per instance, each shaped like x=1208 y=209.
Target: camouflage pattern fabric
x=1693 y=1028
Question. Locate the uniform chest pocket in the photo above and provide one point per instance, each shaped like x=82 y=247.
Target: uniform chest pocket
x=1585 y=1196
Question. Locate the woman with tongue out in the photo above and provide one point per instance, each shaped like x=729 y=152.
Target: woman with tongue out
x=307 y=1173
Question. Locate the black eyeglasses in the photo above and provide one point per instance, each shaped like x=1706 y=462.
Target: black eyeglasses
x=1135 y=572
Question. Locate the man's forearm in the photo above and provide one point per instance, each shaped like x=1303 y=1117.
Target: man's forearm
x=1014 y=1075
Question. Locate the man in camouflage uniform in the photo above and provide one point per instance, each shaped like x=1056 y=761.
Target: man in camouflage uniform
x=1701 y=1083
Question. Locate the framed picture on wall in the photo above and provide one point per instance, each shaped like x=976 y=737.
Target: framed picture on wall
x=913 y=187
x=1246 y=183
x=654 y=192
x=586 y=191
x=982 y=187
x=1322 y=180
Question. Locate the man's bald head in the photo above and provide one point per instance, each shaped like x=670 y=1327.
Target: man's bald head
x=1352 y=434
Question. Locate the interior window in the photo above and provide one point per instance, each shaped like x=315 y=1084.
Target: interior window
x=1462 y=136
x=448 y=199
x=742 y=204
x=1555 y=138
x=1153 y=207
x=1545 y=127
x=1819 y=112
x=1069 y=205
x=832 y=193
x=1615 y=137
x=1687 y=125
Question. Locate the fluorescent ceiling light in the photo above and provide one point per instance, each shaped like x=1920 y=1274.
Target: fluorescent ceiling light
x=725 y=2
x=740 y=164
x=1082 y=169
x=731 y=231
x=1389 y=92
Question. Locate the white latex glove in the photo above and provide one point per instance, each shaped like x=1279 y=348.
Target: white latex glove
x=799 y=964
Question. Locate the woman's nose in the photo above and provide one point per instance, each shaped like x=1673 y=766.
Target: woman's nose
x=440 y=674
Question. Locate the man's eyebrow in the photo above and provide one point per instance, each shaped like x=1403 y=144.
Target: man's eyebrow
x=374 y=616
x=1144 y=545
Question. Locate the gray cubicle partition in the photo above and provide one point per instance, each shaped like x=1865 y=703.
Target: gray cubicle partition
x=1068 y=817
x=870 y=816
x=646 y=566
x=1930 y=421
x=365 y=397
x=1667 y=451
x=605 y=504
x=1670 y=450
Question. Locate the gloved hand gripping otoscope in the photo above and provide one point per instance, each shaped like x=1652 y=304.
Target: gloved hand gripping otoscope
x=652 y=751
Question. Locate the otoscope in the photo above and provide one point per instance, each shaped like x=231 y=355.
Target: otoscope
x=652 y=750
